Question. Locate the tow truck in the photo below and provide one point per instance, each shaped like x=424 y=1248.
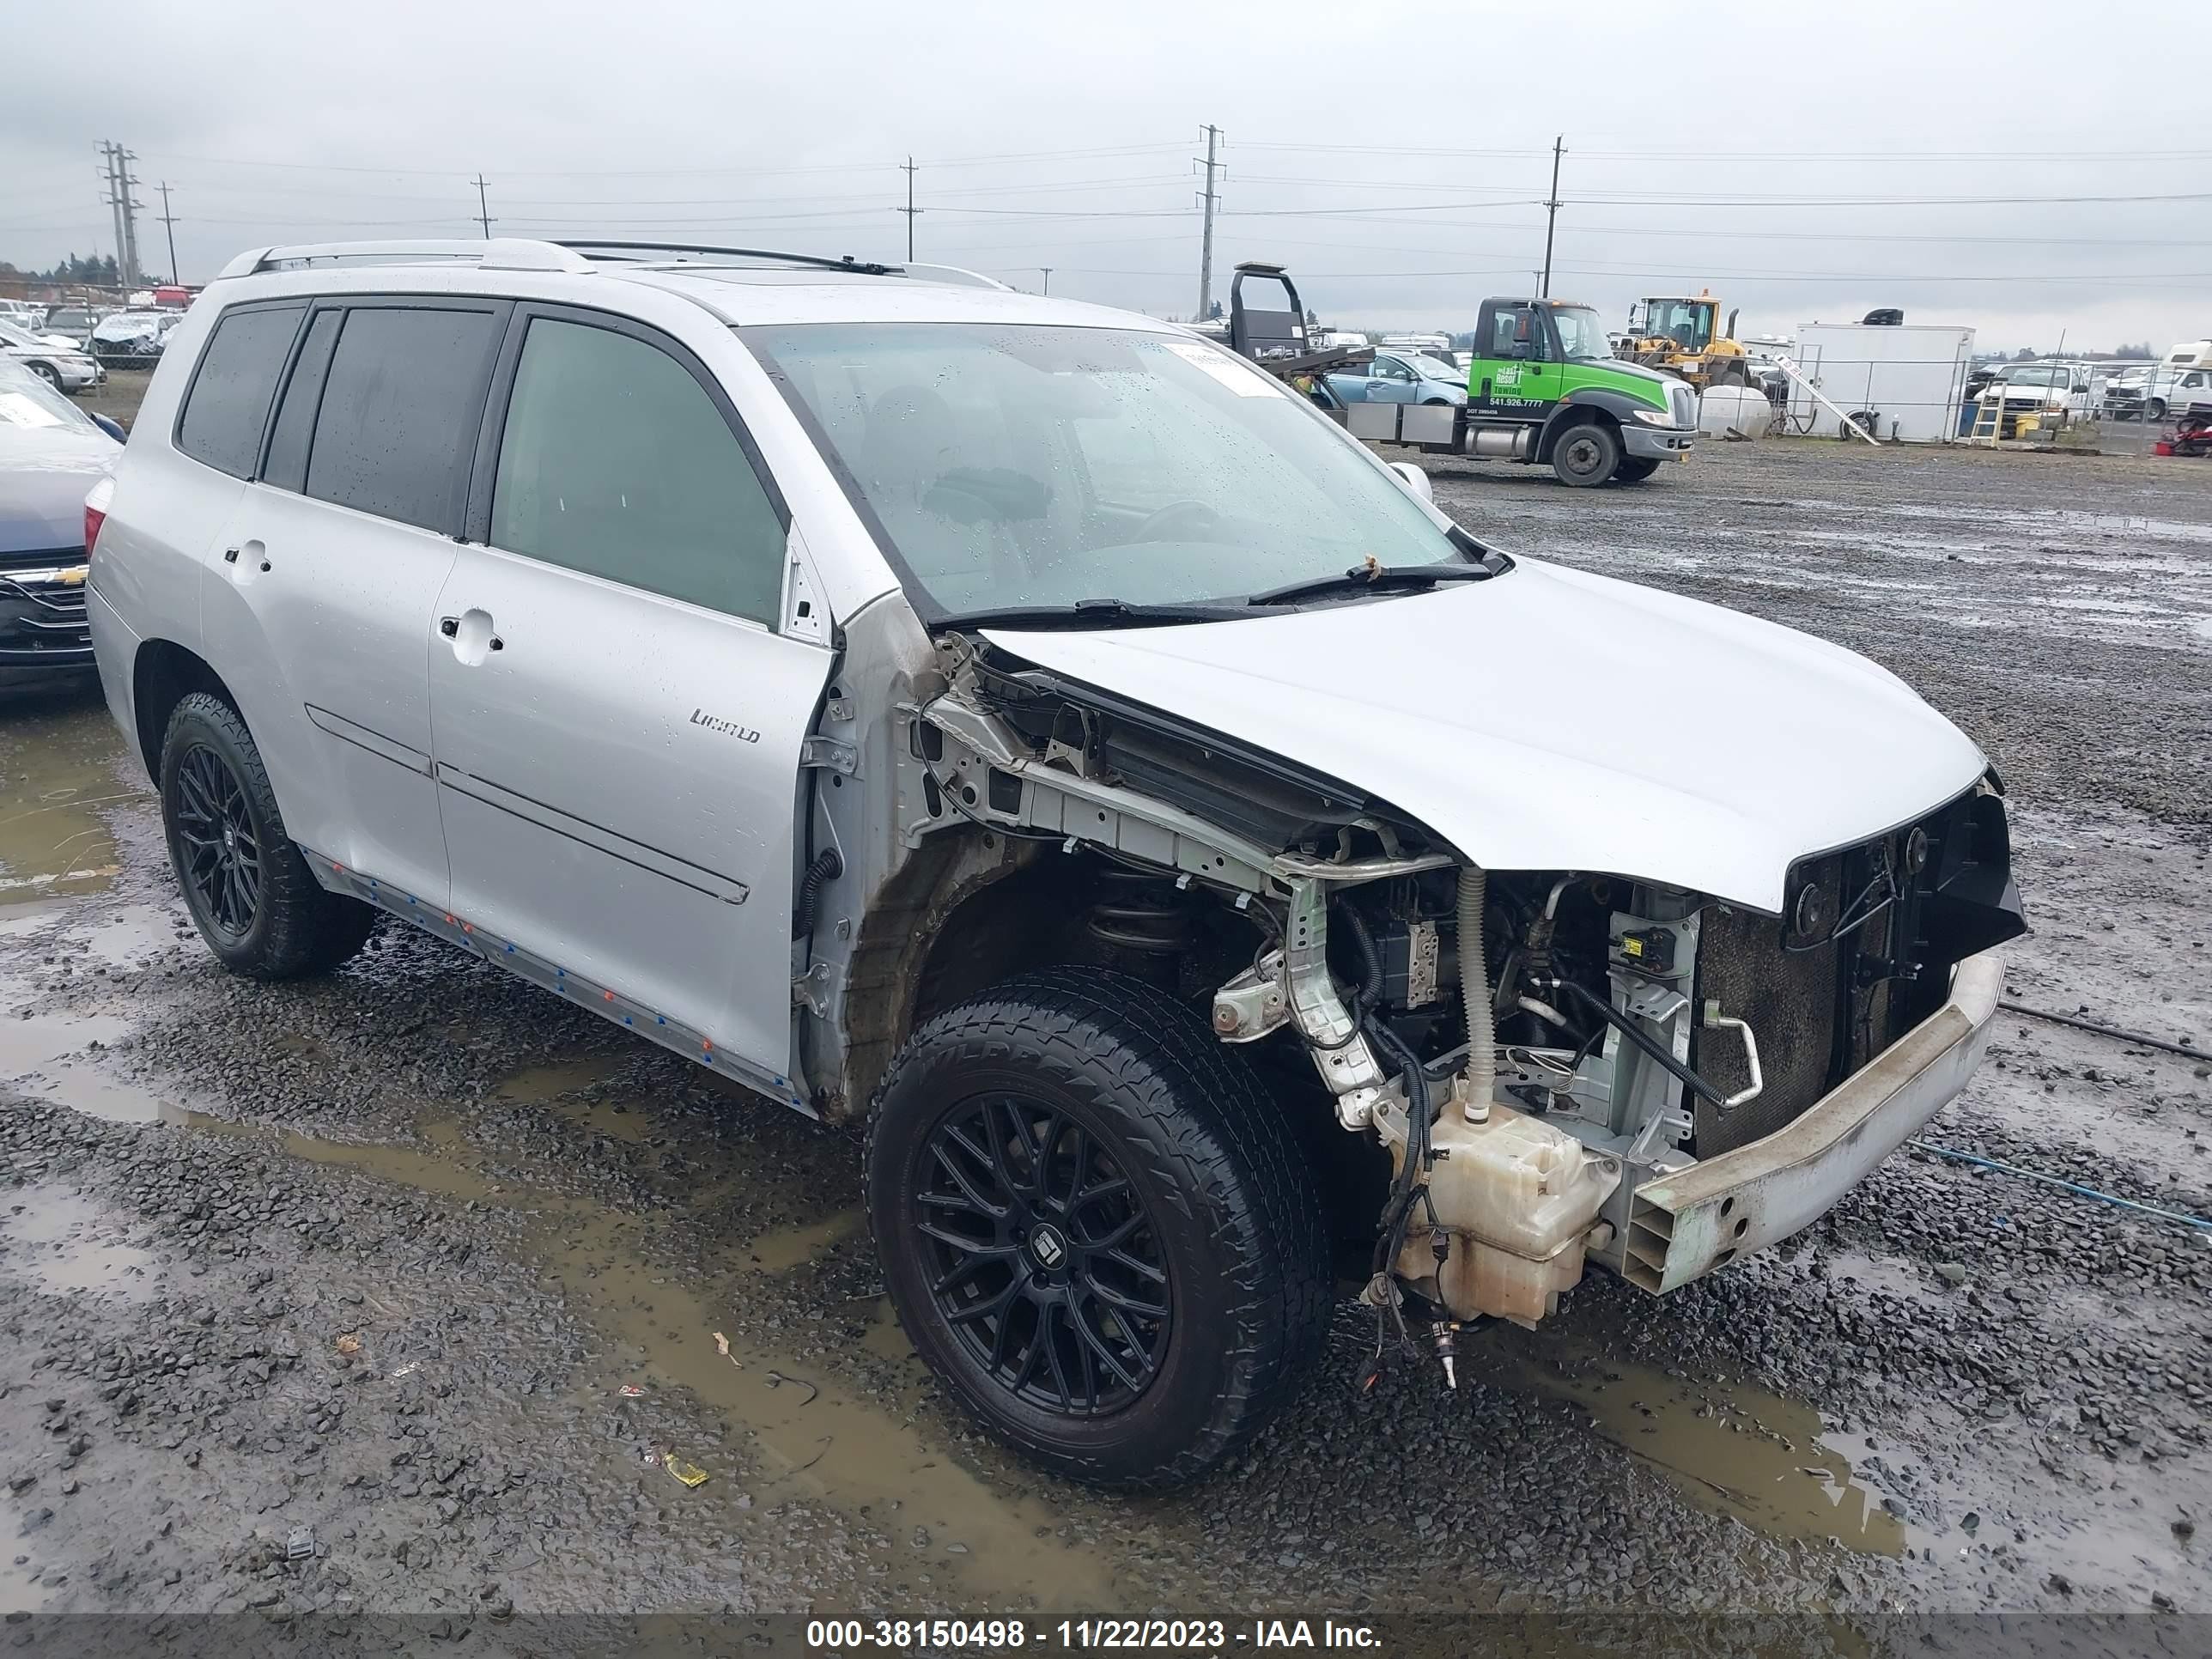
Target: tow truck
x=1543 y=389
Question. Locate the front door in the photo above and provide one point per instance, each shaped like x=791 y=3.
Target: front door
x=619 y=722
x=1515 y=372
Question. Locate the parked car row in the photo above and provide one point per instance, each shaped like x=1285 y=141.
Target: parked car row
x=54 y=358
x=108 y=338
x=52 y=453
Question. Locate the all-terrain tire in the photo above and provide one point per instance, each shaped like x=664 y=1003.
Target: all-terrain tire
x=1587 y=454
x=1232 y=1213
x=1633 y=470
x=295 y=926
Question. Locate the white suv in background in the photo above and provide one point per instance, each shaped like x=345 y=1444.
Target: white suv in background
x=1039 y=734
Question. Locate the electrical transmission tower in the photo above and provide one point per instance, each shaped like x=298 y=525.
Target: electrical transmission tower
x=121 y=181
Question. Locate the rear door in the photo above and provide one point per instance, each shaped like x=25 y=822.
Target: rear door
x=322 y=601
x=619 y=722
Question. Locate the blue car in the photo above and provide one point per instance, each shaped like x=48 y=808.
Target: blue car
x=1401 y=377
x=51 y=453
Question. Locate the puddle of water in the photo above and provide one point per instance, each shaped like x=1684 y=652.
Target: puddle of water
x=553 y=1087
x=781 y=1248
x=860 y=1455
x=136 y=934
x=54 y=1233
x=1730 y=1448
x=35 y=1057
x=57 y=771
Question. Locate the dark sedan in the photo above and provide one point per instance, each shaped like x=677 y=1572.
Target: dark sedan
x=51 y=453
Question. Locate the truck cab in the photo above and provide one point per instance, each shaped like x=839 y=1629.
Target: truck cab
x=1545 y=387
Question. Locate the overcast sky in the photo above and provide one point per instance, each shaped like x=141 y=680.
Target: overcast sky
x=1804 y=162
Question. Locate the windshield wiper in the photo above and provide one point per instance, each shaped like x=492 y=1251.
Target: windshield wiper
x=1105 y=613
x=1373 y=578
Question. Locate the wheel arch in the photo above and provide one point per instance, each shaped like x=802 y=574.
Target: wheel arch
x=964 y=912
x=1586 y=406
x=163 y=675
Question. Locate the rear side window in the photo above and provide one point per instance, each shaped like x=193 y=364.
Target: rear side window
x=231 y=392
x=400 y=407
x=616 y=462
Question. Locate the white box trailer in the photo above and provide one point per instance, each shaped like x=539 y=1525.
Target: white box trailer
x=1904 y=383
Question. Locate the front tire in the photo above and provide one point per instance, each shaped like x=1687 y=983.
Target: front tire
x=250 y=892
x=1586 y=455
x=1632 y=470
x=1095 y=1229
x=2155 y=408
x=47 y=373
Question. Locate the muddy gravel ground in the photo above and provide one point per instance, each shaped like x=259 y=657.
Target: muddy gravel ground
x=409 y=1291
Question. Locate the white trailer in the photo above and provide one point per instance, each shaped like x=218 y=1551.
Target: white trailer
x=1904 y=383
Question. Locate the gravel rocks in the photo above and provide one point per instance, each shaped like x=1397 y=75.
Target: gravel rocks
x=1996 y=1394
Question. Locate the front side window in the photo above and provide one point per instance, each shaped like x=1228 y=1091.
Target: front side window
x=229 y=398
x=400 y=408
x=1015 y=467
x=616 y=462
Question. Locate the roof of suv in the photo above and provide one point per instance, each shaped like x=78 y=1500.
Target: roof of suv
x=741 y=287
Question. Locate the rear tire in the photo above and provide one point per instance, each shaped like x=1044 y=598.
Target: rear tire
x=251 y=893
x=1586 y=454
x=1141 y=1327
x=1632 y=470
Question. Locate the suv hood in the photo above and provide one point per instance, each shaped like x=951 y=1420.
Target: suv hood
x=1552 y=720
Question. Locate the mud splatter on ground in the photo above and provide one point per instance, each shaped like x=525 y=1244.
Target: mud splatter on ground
x=378 y=1256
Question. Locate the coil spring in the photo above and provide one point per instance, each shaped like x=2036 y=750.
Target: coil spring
x=1137 y=912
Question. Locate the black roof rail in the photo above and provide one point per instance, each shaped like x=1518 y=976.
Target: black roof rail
x=864 y=267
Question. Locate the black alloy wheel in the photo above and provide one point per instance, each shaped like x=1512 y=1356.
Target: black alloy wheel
x=1096 y=1227
x=250 y=892
x=222 y=852
x=1041 y=1256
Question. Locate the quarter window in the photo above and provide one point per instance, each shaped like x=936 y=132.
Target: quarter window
x=287 y=466
x=237 y=377
x=614 y=462
x=400 y=408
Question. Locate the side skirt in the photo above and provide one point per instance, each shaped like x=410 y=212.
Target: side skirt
x=605 y=1000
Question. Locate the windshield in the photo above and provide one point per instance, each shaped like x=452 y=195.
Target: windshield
x=15 y=336
x=1687 y=323
x=1008 y=466
x=1581 y=333
x=27 y=400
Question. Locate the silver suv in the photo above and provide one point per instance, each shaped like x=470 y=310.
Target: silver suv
x=1034 y=730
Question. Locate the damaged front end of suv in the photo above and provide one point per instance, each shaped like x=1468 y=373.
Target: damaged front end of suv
x=1561 y=1067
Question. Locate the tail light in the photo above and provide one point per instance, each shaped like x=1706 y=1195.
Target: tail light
x=95 y=512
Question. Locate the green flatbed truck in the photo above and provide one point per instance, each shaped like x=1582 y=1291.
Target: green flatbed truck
x=1543 y=389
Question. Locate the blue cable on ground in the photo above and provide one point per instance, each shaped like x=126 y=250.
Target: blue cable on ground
x=2076 y=1188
